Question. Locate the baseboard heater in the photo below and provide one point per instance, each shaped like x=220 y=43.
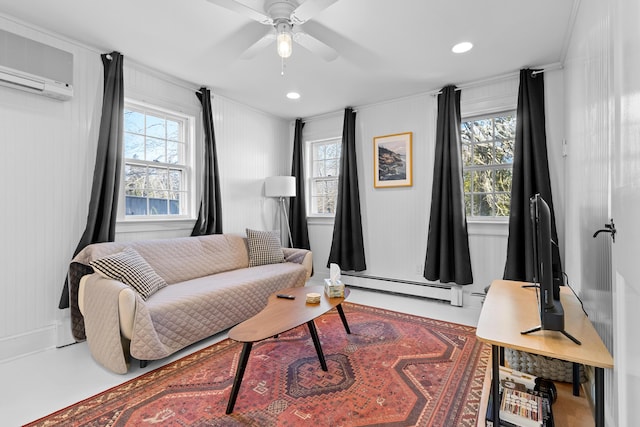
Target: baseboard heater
x=435 y=291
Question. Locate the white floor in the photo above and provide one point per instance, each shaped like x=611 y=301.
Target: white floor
x=37 y=385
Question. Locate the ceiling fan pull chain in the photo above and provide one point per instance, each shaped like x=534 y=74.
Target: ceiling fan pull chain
x=282 y=67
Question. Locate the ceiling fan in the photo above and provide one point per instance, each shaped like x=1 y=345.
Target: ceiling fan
x=285 y=18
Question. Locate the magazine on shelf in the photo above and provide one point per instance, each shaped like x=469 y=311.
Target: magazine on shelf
x=521 y=408
x=520 y=391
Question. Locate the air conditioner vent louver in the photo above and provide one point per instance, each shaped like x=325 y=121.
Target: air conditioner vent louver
x=32 y=66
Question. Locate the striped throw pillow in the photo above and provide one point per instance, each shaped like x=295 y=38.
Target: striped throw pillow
x=264 y=248
x=131 y=269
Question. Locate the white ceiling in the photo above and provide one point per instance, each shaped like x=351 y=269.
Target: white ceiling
x=387 y=48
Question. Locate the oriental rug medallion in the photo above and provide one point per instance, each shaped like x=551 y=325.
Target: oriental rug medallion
x=393 y=370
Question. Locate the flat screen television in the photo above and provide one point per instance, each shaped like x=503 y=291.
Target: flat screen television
x=551 y=310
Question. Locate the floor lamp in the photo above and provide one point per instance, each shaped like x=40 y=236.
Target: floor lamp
x=281 y=187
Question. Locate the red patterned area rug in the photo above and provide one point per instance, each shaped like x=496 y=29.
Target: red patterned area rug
x=393 y=370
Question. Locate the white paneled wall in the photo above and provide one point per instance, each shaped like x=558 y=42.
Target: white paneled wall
x=589 y=132
x=46 y=166
x=48 y=150
x=251 y=146
x=396 y=220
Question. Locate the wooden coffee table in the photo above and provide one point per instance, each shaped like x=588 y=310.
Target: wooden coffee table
x=281 y=315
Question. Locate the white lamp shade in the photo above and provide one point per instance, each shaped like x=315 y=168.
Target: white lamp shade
x=280 y=186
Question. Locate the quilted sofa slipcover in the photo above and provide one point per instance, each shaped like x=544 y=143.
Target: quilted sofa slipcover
x=210 y=288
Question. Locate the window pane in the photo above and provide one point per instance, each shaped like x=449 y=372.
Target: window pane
x=174 y=203
x=483 y=130
x=158 y=205
x=133 y=122
x=467 y=182
x=133 y=146
x=503 y=204
x=155 y=150
x=332 y=151
x=482 y=181
x=318 y=169
x=504 y=151
x=158 y=179
x=503 y=179
x=175 y=180
x=318 y=152
x=483 y=154
x=134 y=178
x=481 y=205
x=173 y=152
x=174 y=131
x=467 y=155
x=155 y=127
x=467 y=204
x=331 y=168
x=505 y=127
x=135 y=205
x=466 y=132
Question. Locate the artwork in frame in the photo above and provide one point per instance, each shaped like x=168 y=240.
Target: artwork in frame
x=392 y=160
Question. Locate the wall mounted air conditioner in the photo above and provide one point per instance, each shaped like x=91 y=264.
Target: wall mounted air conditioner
x=28 y=65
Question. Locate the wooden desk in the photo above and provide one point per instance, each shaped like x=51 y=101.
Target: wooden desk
x=510 y=309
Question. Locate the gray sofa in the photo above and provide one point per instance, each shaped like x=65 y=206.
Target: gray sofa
x=209 y=287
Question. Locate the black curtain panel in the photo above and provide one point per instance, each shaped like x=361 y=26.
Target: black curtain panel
x=530 y=176
x=297 y=205
x=103 y=205
x=210 y=214
x=448 y=257
x=347 y=246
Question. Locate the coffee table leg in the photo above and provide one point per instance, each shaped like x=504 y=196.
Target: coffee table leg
x=244 y=358
x=343 y=318
x=316 y=343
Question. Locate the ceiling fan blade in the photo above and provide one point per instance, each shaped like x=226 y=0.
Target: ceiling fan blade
x=315 y=46
x=242 y=9
x=308 y=10
x=259 y=46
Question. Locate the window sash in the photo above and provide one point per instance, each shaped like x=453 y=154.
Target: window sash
x=487 y=157
x=156 y=180
x=322 y=179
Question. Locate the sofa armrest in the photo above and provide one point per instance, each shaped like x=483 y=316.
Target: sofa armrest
x=126 y=302
x=300 y=256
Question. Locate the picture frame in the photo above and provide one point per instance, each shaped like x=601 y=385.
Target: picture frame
x=393 y=160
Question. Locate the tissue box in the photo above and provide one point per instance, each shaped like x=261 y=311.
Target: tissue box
x=334 y=290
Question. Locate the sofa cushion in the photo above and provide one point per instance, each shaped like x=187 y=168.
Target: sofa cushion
x=130 y=268
x=264 y=248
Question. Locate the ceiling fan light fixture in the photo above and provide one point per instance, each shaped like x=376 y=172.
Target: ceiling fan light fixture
x=284 y=39
x=293 y=95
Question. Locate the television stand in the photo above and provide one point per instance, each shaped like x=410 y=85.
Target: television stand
x=562 y=331
x=509 y=309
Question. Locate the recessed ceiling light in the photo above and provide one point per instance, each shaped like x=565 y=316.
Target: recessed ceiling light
x=462 y=47
x=293 y=95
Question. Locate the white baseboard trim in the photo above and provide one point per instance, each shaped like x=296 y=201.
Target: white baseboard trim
x=31 y=342
x=450 y=293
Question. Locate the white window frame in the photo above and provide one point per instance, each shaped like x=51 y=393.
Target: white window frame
x=310 y=179
x=493 y=167
x=187 y=167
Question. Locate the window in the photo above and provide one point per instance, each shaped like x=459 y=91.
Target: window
x=487 y=161
x=324 y=160
x=156 y=162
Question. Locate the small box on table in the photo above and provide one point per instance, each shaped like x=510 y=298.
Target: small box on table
x=334 y=290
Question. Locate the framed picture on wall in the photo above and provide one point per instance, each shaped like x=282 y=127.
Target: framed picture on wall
x=392 y=160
